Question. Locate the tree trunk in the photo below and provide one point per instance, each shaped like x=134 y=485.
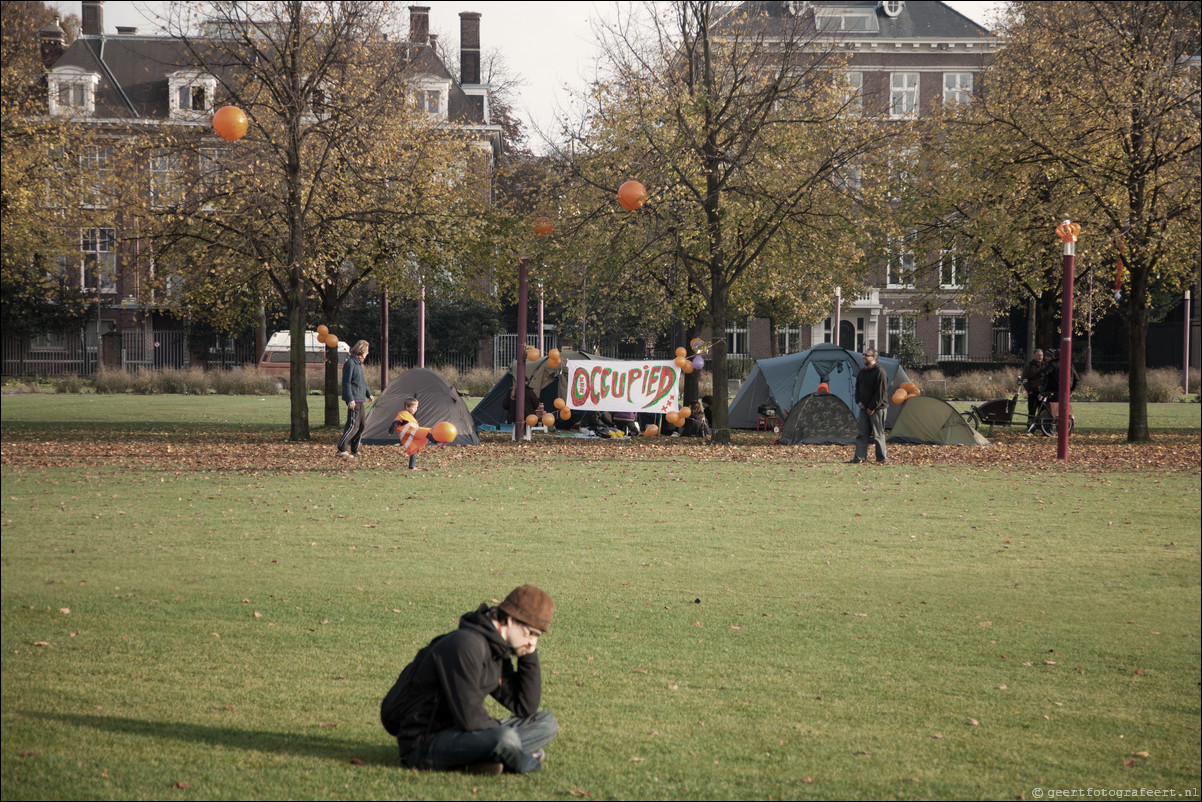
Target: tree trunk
x=1137 y=357
x=718 y=361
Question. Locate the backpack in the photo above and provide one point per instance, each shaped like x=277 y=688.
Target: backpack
x=393 y=706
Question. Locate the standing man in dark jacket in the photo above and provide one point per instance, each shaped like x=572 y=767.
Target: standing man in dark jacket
x=436 y=708
x=872 y=397
x=356 y=394
x=1032 y=381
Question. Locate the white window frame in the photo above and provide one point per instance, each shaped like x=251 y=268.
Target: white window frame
x=900 y=265
x=838 y=19
x=896 y=326
x=95 y=168
x=788 y=339
x=183 y=85
x=81 y=88
x=950 y=268
x=903 y=95
x=957 y=88
x=953 y=335
x=166 y=180
x=98 y=253
x=892 y=7
x=853 y=94
x=424 y=89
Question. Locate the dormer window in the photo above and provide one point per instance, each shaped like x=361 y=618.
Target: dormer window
x=191 y=94
x=892 y=7
x=842 y=19
x=431 y=97
x=72 y=91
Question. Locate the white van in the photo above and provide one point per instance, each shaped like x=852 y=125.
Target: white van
x=277 y=356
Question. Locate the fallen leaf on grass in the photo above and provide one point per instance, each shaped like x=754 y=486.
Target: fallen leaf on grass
x=41 y=643
x=181 y=785
x=65 y=610
x=356 y=761
x=258 y=614
x=580 y=792
x=1129 y=762
x=636 y=760
x=973 y=722
x=640 y=671
x=1139 y=754
x=326 y=724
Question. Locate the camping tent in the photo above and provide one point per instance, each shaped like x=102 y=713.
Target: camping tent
x=550 y=383
x=819 y=418
x=437 y=401
x=791 y=377
x=932 y=421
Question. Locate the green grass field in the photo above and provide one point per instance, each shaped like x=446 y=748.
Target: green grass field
x=732 y=622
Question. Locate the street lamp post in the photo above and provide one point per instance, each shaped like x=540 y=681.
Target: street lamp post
x=1068 y=232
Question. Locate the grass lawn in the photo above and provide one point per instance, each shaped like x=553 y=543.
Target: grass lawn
x=192 y=608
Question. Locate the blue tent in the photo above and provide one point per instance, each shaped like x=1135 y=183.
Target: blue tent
x=789 y=378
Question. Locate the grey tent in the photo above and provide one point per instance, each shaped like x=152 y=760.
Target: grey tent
x=819 y=418
x=550 y=383
x=928 y=420
x=437 y=400
x=791 y=377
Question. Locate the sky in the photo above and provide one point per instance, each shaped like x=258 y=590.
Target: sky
x=551 y=46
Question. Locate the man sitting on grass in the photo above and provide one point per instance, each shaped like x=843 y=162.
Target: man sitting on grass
x=436 y=708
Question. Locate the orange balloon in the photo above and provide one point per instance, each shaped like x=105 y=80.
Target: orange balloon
x=909 y=387
x=632 y=195
x=672 y=418
x=681 y=352
x=680 y=361
x=554 y=352
x=322 y=330
x=548 y=420
x=322 y=336
x=331 y=341
x=560 y=403
x=900 y=396
x=916 y=392
x=444 y=432
x=685 y=412
x=565 y=414
x=553 y=362
x=687 y=367
x=532 y=420
x=532 y=354
x=543 y=227
x=230 y=123
x=651 y=431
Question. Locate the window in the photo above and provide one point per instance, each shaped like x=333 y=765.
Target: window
x=98 y=268
x=48 y=341
x=899 y=265
x=953 y=336
x=957 y=88
x=898 y=327
x=208 y=168
x=846 y=20
x=736 y=340
x=950 y=277
x=903 y=95
x=166 y=180
x=432 y=101
x=72 y=91
x=97 y=173
x=847 y=177
x=892 y=7
x=853 y=94
x=191 y=94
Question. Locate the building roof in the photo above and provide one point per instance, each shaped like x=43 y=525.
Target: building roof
x=916 y=19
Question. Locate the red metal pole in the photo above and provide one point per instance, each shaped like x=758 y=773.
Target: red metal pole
x=519 y=380
x=421 y=329
x=1065 y=405
x=383 y=341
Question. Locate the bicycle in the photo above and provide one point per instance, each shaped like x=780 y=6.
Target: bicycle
x=1003 y=412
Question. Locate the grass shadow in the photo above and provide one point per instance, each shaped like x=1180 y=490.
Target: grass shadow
x=322 y=747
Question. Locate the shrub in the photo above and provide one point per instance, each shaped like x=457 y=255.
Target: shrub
x=71 y=383
x=1164 y=385
x=113 y=381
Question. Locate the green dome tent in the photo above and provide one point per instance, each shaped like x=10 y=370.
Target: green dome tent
x=932 y=421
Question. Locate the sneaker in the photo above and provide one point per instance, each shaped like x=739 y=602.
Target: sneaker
x=540 y=756
x=343 y=454
x=882 y=462
x=355 y=455
x=484 y=769
x=854 y=461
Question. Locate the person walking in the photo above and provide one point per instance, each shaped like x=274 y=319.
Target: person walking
x=356 y=394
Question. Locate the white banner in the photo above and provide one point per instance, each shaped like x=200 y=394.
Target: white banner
x=622 y=386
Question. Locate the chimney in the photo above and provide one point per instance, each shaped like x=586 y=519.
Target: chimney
x=469 y=47
x=93 y=18
x=51 y=40
x=419 y=25
x=127 y=30
x=433 y=41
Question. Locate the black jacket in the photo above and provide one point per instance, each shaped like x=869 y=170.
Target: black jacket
x=457 y=672
x=872 y=388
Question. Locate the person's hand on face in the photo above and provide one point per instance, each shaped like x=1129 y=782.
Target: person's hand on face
x=523 y=640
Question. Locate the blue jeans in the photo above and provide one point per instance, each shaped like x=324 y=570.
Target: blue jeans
x=513 y=743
